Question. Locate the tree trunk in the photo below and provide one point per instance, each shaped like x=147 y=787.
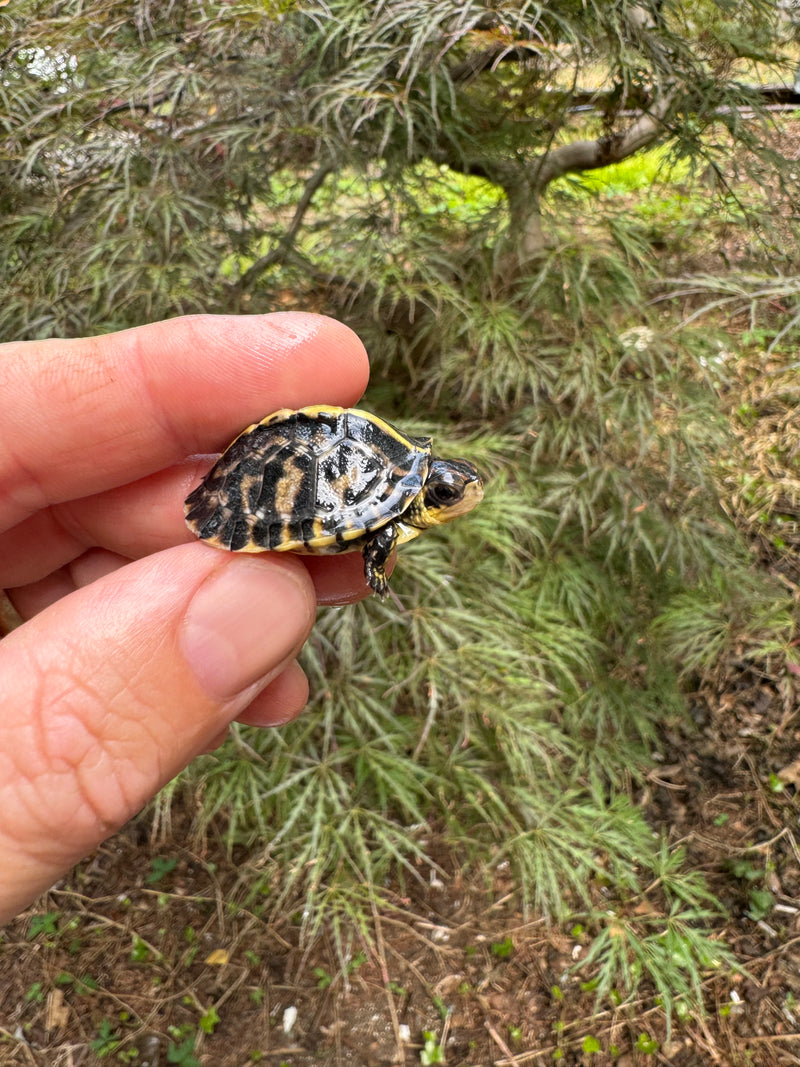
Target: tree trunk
x=528 y=239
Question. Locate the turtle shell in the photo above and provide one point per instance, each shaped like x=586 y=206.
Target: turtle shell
x=308 y=480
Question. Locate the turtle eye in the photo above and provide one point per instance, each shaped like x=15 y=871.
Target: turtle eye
x=442 y=495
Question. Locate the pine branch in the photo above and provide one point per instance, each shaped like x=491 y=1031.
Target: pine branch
x=282 y=249
x=612 y=148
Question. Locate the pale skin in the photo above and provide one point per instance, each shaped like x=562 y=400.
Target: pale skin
x=140 y=644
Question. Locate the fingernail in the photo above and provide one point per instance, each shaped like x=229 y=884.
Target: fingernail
x=243 y=622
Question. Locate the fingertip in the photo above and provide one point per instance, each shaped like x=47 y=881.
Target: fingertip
x=281 y=701
x=344 y=348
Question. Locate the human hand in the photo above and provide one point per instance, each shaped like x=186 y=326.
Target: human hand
x=141 y=644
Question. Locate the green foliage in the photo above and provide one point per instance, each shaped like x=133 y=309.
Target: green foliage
x=140 y=166
x=107 y=1042
x=160 y=867
x=44 y=924
x=432 y=1052
x=182 y=1054
x=667 y=945
x=730 y=611
x=393 y=163
x=642 y=171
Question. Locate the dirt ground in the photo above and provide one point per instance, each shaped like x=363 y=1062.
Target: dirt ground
x=144 y=949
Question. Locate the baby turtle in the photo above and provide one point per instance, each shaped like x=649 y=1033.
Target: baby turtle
x=323 y=480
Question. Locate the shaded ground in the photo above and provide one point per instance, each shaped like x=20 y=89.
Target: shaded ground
x=142 y=949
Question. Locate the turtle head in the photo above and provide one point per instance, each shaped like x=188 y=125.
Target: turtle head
x=453 y=487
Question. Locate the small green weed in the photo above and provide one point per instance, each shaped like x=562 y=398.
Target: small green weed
x=182 y=1054
x=209 y=1020
x=501 y=950
x=107 y=1041
x=46 y=924
x=432 y=1052
x=760 y=904
x=646 y=1044
x=140 y=951
x=160 y=867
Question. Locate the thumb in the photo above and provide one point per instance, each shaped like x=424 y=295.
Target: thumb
x=111 y=691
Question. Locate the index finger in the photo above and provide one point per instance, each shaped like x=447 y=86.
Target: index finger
x=82 y=416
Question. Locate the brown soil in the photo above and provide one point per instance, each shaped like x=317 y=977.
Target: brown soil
x=145 y=963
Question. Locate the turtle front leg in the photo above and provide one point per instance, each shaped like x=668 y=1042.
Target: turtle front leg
x=376 y=552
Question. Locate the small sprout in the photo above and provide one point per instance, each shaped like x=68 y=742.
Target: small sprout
x=761 y=903
x=86 y=985
x=160 y=866
x=441 y=1007
x=107 y=1041
x=140 y=952
x=591 y=1044
x=356 y=962
x=324 y=980
x=646 y=1044
x=182 y=1054
x=432 y=1051
x=503 y=949
x=43 y=924
x=209 y=1020
x=682 y=1010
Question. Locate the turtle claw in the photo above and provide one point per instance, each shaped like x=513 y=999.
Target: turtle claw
x=379 y=583
x=376 y=552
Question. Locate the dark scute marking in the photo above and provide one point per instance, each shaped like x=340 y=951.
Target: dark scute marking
x=314 y=431
x=211 y=526
x=238 y=534
x=287 y=485
x=266 y=534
